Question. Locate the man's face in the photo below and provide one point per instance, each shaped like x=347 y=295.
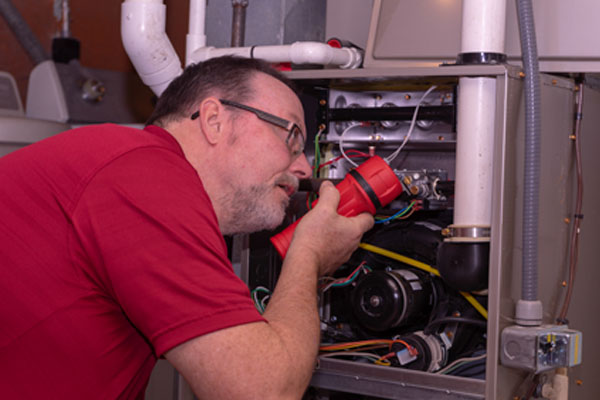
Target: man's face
x=264 y=173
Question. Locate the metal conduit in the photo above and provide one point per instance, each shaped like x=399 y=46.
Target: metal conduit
x=532 y=151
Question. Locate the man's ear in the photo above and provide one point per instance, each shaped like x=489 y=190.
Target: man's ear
x=212 y=119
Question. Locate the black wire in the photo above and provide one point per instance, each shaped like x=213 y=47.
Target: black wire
x=336 y=333
x=446 y=320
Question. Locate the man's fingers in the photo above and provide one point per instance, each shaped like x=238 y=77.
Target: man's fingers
x=329 y=196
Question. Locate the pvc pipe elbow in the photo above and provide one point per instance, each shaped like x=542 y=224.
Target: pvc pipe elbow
x=321 y=53
x=146 y=43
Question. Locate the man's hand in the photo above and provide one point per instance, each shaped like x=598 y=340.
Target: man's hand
x=326 y=236
x=276 y=360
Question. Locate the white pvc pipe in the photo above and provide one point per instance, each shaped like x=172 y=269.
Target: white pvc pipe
x=474 y=152
x=156 y=62
x=196 y=37
x=483 y=26
x=146 y=43
x=482 y=32
x=297 y=53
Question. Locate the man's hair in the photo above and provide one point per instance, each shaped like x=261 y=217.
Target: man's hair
x=227 y=77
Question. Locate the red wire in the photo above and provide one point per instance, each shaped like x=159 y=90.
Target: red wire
x=413 y=351
x=348 y=277
x=328 y=162
x=340 y=157
x=353 y=272
x=357 y=152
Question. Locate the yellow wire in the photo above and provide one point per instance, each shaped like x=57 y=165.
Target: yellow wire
x=424 y=267
x=399 y=257
x=475 y=304
x=383 y=362
x=352 y=345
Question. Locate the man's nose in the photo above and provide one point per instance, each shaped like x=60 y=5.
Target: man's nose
x=301 y=168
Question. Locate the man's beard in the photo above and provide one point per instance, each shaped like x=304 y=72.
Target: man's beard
x=254 y=208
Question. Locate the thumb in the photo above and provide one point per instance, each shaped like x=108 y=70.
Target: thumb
x=364 y=221
x=329 y=196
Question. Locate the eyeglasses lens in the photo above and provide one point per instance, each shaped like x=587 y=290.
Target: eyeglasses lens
x=295 y=141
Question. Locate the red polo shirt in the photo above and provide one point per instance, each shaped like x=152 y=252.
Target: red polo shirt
x=110 y=255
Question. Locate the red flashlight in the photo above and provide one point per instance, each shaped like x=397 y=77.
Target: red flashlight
x=364 y=189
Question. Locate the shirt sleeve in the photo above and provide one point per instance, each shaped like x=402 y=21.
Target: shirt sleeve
x=153 y=242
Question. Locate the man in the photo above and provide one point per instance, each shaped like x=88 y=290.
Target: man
x=112 y=255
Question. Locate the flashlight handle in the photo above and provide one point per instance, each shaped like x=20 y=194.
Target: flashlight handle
x=372 y=185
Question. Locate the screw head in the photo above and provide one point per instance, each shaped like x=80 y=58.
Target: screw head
x=375 y=301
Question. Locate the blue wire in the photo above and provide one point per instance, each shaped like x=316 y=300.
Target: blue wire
x=399 y=213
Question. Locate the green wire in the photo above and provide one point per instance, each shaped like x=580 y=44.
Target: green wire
x=260 y=289
x=317 y=155
x=317 y=163
x=398 y=215
x=349 y=281
x=257 y=303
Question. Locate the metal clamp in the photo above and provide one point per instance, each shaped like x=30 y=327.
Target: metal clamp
x=468 y=232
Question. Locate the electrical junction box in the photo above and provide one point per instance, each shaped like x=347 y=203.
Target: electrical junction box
x=540 y=348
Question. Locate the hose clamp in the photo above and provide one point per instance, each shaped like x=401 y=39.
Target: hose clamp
x=467 y=233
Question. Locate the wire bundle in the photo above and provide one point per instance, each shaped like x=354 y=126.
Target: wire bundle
x=259 y=303
x=348 y=280
x=340 y=350
x=467 y=366
x=402 y=214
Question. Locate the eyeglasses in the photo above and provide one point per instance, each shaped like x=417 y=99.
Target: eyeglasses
x=295 y=137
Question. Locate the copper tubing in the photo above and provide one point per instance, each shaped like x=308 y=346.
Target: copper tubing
x=578 y=216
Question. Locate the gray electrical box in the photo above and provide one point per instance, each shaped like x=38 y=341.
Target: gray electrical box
x=540 y=348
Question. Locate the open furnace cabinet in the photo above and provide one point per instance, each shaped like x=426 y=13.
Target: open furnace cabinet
x=441 y=347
